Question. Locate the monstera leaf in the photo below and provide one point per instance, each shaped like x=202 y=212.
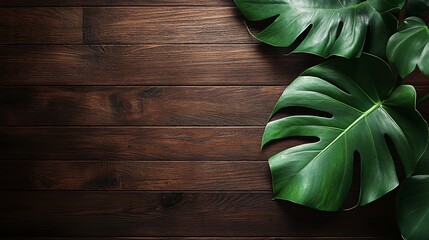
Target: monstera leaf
x=365 y=107
x=410 y=47
x=338 y=27
x=412 y=206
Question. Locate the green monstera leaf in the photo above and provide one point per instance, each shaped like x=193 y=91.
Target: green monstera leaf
x=365 y=107
x=412 y=206
x=410 y=47
x=338 y=27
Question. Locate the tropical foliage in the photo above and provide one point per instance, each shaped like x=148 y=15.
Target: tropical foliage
x=413 y=203
x=409 y=47
x=363 y=111
x=336 y=27
x=358 y=102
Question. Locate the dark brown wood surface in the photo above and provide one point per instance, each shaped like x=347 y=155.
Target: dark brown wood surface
x=29 y=3
x=142 y=119
x=136 y=143
x=149 y=106
x=161 y=25
x=202 y=238
x=149 y=64
x=41 y=25
x=136 y=175
x=142 y=106
x=140 y=213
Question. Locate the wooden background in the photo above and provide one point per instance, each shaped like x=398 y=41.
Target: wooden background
x=143 y=118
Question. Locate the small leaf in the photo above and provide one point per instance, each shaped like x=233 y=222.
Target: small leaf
x=359 y=95
x=409 y=47
x=412 y=205
x=338 y=27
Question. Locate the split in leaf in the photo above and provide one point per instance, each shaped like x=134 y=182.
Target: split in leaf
x=365 y=107
x=337 y=27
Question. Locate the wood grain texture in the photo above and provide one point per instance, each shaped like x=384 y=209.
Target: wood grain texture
x=147 y=106
x=189 y=64
x=164 y=25
x=142 y=119
x=77 y=3
x=41 y=25
x=159 y=106
x=123 y=175
x=206 y=238
x=136 y=143
x=166 y=214
x=168 y=175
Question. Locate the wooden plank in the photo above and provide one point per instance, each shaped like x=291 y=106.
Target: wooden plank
x=124 y=175
x=147 y=106
x=166 y=214
x=41 y=25
x=77 y=3
x=189 y=64
x=164 y=25
x=136 y=143
x=156 y=106
x=185 y=64
x=206 y=238
x=146 y=175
